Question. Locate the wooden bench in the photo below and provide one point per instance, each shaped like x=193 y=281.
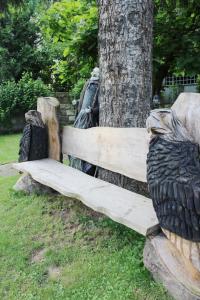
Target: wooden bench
x=122 y=150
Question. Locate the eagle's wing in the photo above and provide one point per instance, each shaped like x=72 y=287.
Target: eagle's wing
x=173 y=176
x=39 y=143
x=24 y=146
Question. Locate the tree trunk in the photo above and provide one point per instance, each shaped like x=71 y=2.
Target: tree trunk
x=125 y=51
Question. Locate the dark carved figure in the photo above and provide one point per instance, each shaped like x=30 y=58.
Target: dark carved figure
x=174 y=184
x=173 y=175
x=34 y=141
x=87 y=117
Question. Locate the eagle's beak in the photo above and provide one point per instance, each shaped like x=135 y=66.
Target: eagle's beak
x=157 y=130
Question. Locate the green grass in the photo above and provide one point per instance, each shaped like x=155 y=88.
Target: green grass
x=54 y=248
x=9 y=147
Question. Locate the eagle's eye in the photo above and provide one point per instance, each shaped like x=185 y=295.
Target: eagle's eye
x=162 y=115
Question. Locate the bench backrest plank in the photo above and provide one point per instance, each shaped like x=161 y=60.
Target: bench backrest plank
x=121 y=150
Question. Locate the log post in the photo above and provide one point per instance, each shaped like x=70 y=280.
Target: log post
x=166 y=265
x=47 y=106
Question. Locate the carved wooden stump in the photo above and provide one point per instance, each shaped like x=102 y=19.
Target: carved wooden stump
x=166 y=264
x=47 y=106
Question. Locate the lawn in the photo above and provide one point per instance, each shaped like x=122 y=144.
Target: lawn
x=9 y=145
x=55 y=248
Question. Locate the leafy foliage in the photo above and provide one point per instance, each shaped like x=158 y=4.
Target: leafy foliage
x=59 y=44
x=176 y=39
x=4 y=4
x=73 y=26
x=21 y=45
x=21 y=96
x=198 y=83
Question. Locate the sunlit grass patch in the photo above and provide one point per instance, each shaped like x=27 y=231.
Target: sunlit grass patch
x=9 y=147
x=52 y=247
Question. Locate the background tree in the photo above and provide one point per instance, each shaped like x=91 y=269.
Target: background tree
x=21 y=45
x=176 y=39
x=5 y=3
x=25 y=60
x=72 y=28
x=125 y=43
x=57 y=42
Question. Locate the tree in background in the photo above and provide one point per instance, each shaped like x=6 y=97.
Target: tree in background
x=21 y=45
x=4 y=4
x=125 y=44
x=72 y=28
x=176 y=39
x=61 y=42
x=25 y=60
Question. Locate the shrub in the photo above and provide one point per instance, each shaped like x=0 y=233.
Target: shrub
x=21 y=96
x=198 y=83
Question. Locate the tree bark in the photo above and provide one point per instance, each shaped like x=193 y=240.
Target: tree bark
x=125 y=59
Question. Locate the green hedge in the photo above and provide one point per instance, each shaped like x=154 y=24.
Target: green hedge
x=21 y=96
x=198 y=83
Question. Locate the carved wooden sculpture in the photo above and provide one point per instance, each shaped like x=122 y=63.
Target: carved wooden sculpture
x=187 y=108
x=33 y=146
x=173 y=175
x=34 y=141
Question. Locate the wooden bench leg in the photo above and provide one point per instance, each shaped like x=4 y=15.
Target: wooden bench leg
x=165 y=263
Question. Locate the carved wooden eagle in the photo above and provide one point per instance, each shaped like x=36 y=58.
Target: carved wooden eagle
x=173 y=175
x=34 y=141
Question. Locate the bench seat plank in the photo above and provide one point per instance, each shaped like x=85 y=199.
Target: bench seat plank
x=128 y=208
